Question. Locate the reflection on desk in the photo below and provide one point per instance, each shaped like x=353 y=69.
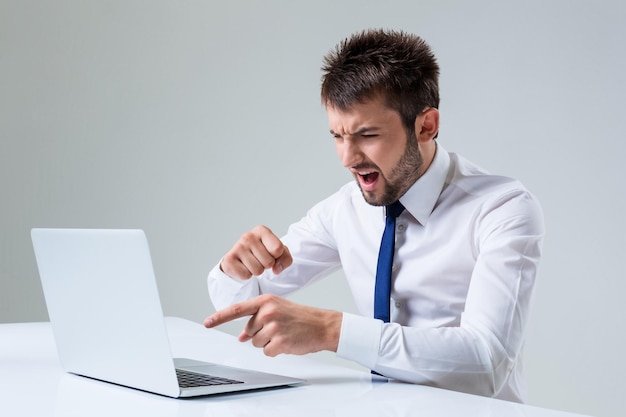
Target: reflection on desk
x=40 y=387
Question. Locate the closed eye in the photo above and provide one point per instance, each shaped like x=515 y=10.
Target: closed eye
x=365 y=133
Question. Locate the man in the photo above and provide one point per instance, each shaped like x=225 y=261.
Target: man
x=467 y=243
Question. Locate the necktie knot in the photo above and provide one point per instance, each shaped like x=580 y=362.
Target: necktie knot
x=394 y=209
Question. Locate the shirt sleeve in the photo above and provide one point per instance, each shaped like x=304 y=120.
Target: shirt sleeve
x=480 y=354
x=225 y=290
x=359 y=340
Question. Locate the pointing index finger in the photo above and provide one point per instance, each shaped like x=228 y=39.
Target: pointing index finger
x=235 y=311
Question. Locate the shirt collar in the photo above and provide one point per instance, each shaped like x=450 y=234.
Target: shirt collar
x=421 y=198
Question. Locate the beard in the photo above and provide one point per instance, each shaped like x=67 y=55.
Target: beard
x=402 y=176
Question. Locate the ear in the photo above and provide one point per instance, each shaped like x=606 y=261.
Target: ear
x=427 y=125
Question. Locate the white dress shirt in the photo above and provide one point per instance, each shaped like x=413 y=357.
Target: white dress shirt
x=467 y=250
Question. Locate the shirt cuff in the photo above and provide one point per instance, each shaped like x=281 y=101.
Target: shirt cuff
x=359 y=340
x=225 y=290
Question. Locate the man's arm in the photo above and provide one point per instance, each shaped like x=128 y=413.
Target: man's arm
x=482 y=353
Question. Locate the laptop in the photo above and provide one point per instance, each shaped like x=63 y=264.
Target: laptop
x=107 y=319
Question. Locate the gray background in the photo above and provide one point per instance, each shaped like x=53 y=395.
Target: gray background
x=196 y=120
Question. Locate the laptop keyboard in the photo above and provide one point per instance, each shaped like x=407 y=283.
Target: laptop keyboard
x=187 y=379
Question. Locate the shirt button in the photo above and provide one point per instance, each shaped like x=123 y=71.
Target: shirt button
x=401 y=227
x=398 y=304
x=394 y=267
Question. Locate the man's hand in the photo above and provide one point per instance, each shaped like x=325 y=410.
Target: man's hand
x=256 y=251
x=281 y=326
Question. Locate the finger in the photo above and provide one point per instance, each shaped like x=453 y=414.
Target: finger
x=246 y=259
x=252 y=327
x=268 y=350
x=259 y=258
x=272 y=349
x=245 y=264
x=271 y=242
x=244 y=337
x=235 y=311
x=259 y=340
x=256 y=251
x=283 y=262
x=234 y=268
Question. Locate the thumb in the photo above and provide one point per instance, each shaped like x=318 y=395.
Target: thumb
x=283 y=262
x=244 y=337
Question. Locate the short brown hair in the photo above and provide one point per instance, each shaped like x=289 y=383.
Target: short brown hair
x=399 y=66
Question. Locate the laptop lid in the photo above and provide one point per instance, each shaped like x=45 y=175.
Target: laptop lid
x=105 y=311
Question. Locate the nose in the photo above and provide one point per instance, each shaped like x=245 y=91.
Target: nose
x=349 y=153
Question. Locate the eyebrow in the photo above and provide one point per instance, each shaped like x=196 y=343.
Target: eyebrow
x=364 y=129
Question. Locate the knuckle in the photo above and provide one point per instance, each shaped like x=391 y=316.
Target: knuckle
x=275 y=247
x=268 y=350
x=229 y=259
x=256 y=269
x=273 y=329
x=236 y=271
x=287 y=258
x=245 y=241
x=236 y=309
x=267 y=262
x=266 y=313
x=268 y=301
x=261 y=229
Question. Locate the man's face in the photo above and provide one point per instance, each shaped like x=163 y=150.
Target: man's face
x=373 y=144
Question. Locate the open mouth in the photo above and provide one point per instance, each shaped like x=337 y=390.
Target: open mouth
x=369 y=177
x=368 y=180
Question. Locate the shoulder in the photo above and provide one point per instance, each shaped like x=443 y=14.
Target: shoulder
x=467 y=178
x=347 y=199
x=493 y=198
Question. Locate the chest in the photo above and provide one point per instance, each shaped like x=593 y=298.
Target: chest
x=432 y=267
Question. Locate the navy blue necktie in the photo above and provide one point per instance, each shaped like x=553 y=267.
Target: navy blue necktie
x=382 y=292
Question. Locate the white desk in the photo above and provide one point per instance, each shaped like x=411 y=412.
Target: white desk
x=33 y=384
